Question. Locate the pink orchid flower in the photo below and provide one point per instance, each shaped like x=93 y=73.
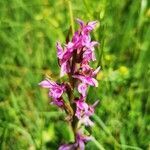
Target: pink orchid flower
x=84 y=111
x=56 y=90
x=81 y=139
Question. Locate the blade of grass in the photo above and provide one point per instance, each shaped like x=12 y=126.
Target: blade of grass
x=98 y=144
x=101 y=123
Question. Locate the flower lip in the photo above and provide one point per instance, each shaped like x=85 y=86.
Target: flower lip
x=56 y=90
x=82 y=89
x=87 y=80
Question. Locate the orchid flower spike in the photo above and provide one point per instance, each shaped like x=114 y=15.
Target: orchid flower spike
x=74 y=59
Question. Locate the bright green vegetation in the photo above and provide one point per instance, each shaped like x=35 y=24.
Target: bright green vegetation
x=28 y=34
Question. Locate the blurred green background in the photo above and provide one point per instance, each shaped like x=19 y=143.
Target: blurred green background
x=28 y=34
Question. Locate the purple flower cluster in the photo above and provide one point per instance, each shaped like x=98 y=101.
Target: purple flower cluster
x=74 y=58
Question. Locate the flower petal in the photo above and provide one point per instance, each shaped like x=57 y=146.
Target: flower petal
x=80 y=22
x=59 y=50
x=58 y=102
x=91 y=25
x=81 y=145
x=87 y=80
x=86 y=121
x=65 y=68
x=82 y=89
x=46 y=83
x=96 y=71
x=67 y=147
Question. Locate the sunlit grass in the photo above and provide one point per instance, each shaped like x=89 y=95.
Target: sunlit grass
x=28 y=34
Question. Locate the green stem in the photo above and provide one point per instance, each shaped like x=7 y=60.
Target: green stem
x=71 y=16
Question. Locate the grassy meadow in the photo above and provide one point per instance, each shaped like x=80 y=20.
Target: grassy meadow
x=28 y=34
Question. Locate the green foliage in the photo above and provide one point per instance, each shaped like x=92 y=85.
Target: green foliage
x=28 y=34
